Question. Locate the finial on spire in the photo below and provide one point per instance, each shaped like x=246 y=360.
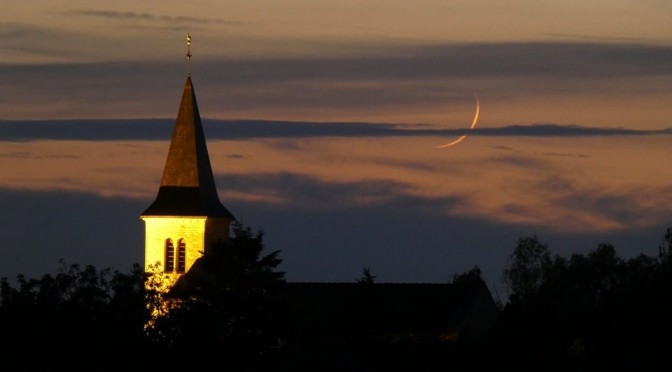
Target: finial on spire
x=188 y=54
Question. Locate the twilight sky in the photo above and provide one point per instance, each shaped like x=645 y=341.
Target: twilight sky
x=322 y=119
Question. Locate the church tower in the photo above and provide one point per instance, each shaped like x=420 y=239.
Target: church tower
x=186 y=217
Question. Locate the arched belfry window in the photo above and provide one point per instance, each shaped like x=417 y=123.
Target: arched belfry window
x=181 y=256
x=169 y=266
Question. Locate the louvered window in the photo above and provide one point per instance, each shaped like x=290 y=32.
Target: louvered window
x=170 y=257
x=181 y=256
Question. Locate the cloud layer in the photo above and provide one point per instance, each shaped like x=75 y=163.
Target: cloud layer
x=593 y=84
x=159 y=129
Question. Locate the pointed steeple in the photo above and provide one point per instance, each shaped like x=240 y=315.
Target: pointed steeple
x=188 y=186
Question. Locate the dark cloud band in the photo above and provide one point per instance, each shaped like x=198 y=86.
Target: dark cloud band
x=159 y=129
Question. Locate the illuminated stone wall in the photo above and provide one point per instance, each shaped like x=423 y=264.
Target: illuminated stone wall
x=196 y=232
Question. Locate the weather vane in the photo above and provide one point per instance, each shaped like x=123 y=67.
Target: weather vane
x=188 y=54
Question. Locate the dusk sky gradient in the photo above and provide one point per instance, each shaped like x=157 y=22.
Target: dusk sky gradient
x=322 y=120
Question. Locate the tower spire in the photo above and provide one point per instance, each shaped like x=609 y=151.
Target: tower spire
x=186 y=217
x=188 y=54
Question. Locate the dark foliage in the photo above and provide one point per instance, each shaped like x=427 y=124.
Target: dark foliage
x=367 y=277
x=226 y=305
x=80 y=313
x=589 y=312
x=234 y=310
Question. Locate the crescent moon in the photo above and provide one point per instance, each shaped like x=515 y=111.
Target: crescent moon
x=473 y=125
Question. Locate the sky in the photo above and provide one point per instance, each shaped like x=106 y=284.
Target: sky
x=323 y=120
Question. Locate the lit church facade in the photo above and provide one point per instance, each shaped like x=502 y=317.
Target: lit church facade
x=186 y=217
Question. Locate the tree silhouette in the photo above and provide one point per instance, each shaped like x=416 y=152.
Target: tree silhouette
x=82 y=310
x=367 y=277
x=227 y=302
x=593 y=311
x=527 y=266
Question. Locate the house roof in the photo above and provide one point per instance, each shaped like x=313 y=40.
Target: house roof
x=459 y=311
x=463 y=311
x=188 y=186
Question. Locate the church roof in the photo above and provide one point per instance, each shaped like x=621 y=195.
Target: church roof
x=188 y=185
x=464 y=309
